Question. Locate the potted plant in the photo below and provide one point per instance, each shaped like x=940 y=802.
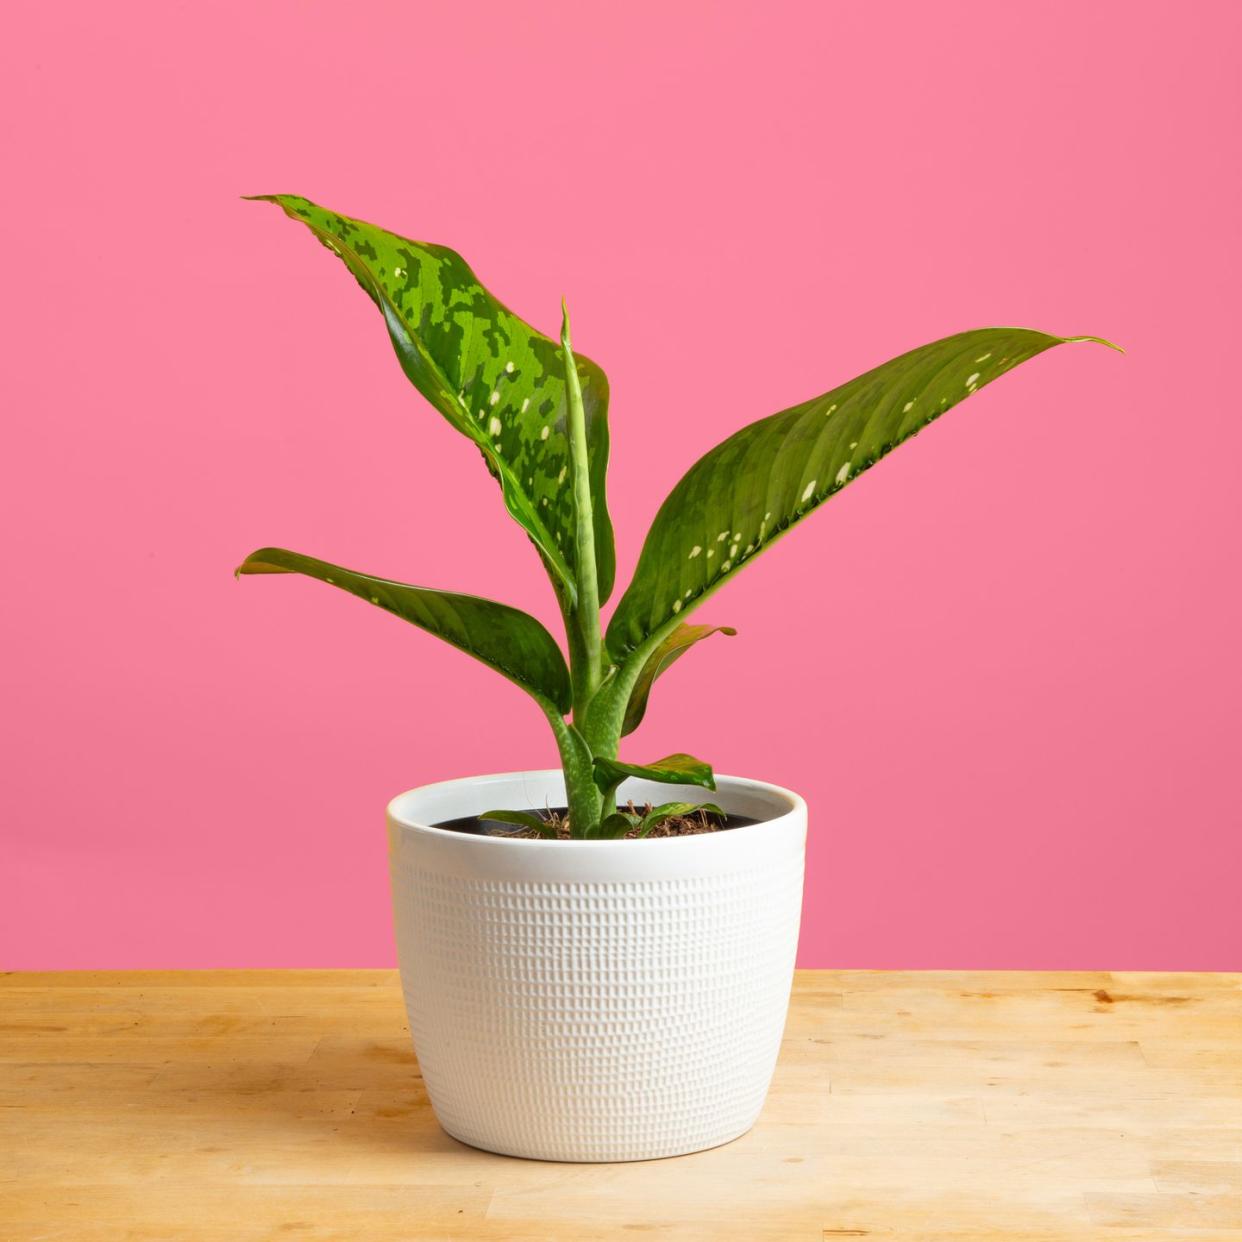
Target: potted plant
x=577 y=988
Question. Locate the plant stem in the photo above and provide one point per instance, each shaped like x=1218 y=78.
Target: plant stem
x=587 y=609
x=581 y=794
x=602 y=726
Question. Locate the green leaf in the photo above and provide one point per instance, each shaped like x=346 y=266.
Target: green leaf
x=670 y=650
x=496 y=379
x=679 y=769
x=758 y=483
x=504 y=638
x=615 y=825
x=668 y=810
x=523 y=819
x=621 y=822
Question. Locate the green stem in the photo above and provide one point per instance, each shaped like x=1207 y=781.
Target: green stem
x=602 y=725
x=581 y=794
x=587 y=607
x=576 y=649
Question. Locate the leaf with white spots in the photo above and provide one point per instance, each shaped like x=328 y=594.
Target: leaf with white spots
x=505 y=639
x=492 y=376
x=670 y=650
x=764 y=479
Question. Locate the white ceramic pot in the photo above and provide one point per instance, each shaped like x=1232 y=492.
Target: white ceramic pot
x=596 y=1000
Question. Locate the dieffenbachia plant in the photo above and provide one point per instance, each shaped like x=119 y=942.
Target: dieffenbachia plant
x=538 y=414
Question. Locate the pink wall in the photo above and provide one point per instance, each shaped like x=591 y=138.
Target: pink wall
x=1003 y=668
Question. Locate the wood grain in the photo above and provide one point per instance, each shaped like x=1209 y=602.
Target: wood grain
x=246 y=1105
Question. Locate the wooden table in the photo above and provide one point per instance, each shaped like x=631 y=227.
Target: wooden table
x=239 y=1105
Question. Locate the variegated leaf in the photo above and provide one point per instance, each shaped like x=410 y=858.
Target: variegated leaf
x=749 y=490
x=496 y=379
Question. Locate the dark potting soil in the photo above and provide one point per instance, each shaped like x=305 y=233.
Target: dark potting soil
x=692 y=825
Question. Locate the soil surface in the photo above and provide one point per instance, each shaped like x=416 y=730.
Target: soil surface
x=556 y=817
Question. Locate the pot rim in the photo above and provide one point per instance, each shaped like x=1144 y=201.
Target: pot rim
x=794 y=808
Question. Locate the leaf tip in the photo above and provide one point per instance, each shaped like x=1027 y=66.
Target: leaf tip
x=1094 y=340
x=258 y=563
x=565 y=323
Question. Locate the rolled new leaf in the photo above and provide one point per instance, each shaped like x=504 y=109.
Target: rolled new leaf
x=496 y=379
x=505 y=639
x=678 y=769
x=749 y=490
x=670 y=650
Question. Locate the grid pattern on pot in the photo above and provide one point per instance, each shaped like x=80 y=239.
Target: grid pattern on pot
x=614 y=1021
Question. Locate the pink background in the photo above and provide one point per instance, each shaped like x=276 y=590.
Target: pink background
x=1003 y=668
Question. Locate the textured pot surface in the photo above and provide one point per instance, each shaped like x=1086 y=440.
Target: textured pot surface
x=596 y=1000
